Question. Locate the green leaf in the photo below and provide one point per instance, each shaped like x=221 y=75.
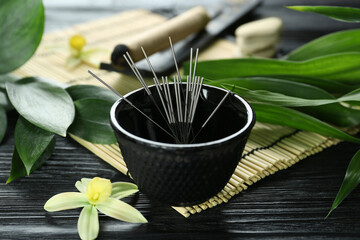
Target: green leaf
x=22 y=26
x=92 y=121
x=352 y=97
x=288 y=93
x=17 y=167
x=43 y=104
x=338 y=42
x=65 y=201
x=92 y=105
x=4 y=101
x=88 y=223
x=337 y=67
x=327 y=85
x=3 y=123
x=351 y=180
x=7 y=78
x=278 y=99
x=31 y=142
x=118 y=209
x=78 y=92
x=345 y=14
x=288 y=87
x=292 y=118
x=123 y=189
x=334 y=113
x=52 y=82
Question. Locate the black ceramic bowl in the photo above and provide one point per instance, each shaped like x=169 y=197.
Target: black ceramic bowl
x=182 y=174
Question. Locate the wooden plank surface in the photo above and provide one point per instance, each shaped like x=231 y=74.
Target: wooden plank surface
x=290 y=204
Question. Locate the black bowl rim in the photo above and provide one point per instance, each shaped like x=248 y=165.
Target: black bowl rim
x=249 y=124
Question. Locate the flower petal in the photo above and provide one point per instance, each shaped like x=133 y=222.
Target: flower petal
x=98 y=190
x=88 y=223
x=123 y=189
x=95 y=51
x=90 y=60
x=81 y=185
x=67 y=200
x=86 y=181
x=72 y=62
x=120 y=210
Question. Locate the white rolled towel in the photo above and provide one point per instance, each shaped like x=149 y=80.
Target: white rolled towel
x=259 y=37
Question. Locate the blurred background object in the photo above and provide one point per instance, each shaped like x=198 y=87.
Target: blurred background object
x=258 y=38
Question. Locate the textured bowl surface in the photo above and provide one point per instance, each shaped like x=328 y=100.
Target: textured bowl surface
x=182 y=174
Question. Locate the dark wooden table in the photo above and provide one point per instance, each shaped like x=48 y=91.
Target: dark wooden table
x=290 y=204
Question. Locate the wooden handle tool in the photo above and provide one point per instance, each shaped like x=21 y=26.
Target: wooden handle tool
x=157 y=38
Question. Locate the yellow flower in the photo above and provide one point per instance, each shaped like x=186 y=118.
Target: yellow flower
x=77 y=42
x=97 y=194
x=79 y=53
x=98 y=190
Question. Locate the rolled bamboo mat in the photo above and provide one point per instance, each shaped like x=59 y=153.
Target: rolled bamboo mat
x=270 y=148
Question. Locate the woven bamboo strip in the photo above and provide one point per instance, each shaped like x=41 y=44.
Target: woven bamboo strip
x=102 y=154
x=270 y=148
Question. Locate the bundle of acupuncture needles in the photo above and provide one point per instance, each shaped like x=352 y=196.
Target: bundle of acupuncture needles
x=178 y=103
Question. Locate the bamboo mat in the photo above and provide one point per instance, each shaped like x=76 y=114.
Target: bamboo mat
x=270 y=148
